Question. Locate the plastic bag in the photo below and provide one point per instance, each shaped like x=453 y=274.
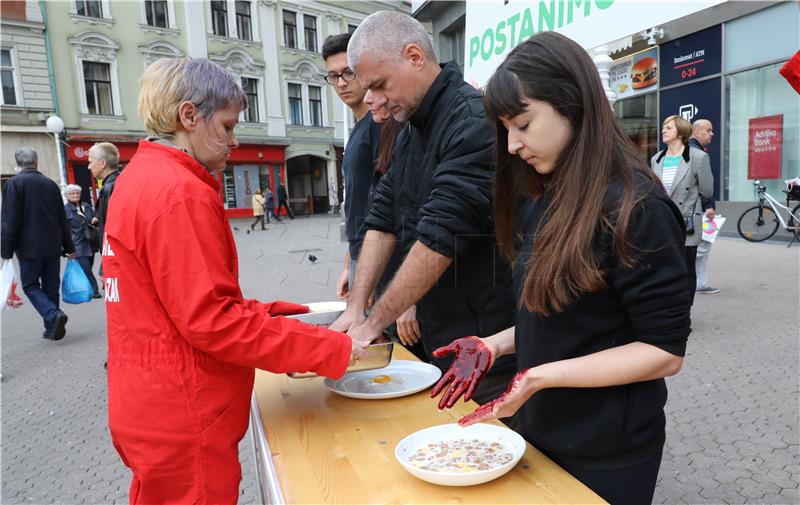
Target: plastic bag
x=7 y=279
x=75 y=287
x=711 y=227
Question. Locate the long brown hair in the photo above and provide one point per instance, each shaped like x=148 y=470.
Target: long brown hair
x=552 y=68
x=389 y=132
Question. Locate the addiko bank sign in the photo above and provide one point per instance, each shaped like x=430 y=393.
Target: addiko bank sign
x=493 y=28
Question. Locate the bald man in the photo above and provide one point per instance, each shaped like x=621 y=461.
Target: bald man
x=702 y=134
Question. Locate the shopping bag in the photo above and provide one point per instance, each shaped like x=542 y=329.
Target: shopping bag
x=6 y=279
x=711 y=227
x=75 y=287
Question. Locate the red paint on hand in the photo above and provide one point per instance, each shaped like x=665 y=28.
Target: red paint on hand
x=486 y=410
x=472 y=362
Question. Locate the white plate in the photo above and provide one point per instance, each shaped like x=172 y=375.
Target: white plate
x=326 y=306
x=405 y=378
x=510 y=440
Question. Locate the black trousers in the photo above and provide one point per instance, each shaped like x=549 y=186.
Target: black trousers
x=634 y=485
x=283 y=204
x=86 y=263
x=258 y=218
x=691 y=258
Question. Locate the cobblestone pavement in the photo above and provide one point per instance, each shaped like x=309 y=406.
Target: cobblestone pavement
x=732 y=421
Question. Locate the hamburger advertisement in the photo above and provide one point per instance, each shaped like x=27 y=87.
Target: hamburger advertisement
x=635 y=74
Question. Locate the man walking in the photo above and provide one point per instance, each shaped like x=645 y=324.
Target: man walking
x=434 y=203
x=283 y=201
x=34 y=226
x=702 y=134
x=104 y=166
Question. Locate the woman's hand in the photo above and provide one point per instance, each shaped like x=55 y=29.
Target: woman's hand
x=473 y=360
x=358 y=351
x=95 y=220
x=507 y=404
x=408 y=327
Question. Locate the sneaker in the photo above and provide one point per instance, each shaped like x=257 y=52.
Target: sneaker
x=708 y=290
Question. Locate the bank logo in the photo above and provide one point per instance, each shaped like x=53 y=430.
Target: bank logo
x=688 y=111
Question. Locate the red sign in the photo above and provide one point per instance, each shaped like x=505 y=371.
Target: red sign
x=765 y=146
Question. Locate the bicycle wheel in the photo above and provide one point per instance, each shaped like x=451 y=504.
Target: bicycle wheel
x=757 y=224
x=795 y=223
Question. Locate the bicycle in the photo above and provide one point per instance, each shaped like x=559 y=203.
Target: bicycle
x=760 y=222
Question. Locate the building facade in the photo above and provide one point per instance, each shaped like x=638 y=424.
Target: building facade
x=294 y=127
x=27 y=98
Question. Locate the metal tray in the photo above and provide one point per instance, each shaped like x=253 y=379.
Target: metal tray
x=379 y=352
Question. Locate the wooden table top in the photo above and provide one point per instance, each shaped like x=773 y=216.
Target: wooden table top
x=330 y=449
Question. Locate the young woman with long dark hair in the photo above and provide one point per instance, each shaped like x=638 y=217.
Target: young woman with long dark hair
x=599 y=274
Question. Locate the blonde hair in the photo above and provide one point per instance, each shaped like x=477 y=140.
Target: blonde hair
x=682 y=126
x=108 y=152
x=168 y=82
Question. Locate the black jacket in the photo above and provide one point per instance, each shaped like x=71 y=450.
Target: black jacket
x=708 y=202
x=613 y=427
x=102 y=202
x=78 y=226
x=34 y=224
x=438 y=191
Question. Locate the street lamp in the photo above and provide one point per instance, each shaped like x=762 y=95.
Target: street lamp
x=56 y=125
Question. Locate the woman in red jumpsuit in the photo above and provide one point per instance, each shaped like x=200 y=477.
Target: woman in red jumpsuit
x=182 y=341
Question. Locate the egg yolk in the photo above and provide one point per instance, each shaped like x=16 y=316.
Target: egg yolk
x=381 y=379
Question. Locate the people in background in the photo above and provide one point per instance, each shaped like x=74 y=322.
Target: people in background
x=34 y=227
x=104 y=166
x=83 y=231
x=259 y=207
x=702 y=135
x=283 y=201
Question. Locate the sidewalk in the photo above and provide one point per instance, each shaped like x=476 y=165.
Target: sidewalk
x=732 y=416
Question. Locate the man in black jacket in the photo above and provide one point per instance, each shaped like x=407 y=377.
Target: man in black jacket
x=104 y=166
x=283 y=201
x=34 y=226
x=434 y=203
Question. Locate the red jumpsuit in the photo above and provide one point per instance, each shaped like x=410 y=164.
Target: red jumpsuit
x=182 y=342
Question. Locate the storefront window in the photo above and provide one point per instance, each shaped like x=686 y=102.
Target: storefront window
x=639 y=118
x=752 y=95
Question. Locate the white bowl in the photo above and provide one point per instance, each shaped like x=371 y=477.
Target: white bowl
x=510 y=440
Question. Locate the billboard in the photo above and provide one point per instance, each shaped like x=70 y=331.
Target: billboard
x=765 y=147
x=692 y=57
x=635 y=74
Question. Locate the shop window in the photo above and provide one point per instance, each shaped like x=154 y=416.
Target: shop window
x=9 y=79
x=97 y=84
x=219 y=17
x=310 y=30
x=89 y=8
x=290 y=29
x=756 y=94
x=295 y=104
x=315 y=105
x=156 y=13
x=639 y=119
x=243 y=22
x=250 y=87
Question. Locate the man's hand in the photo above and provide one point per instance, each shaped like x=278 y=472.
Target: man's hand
x=343 y=283
x=95 y=220
x=350 y=318
x=364 y=333
x=71 y=255
x=711 y=214
x=472 y=362
x=507 y=404
x=408 y=327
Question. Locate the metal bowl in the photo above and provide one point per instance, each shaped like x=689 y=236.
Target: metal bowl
x=379 y=352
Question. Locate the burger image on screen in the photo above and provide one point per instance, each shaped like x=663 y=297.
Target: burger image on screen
x=644 y=73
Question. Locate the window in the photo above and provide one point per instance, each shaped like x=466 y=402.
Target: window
x=219 y=17
x=156 y=12
x=310 y=29
x=97 y=82
x=89 y=8
x=295 y=104
x=250 y=87
x=9 y=88
x=351 y=29
x=243 y=25
x=290 y=29
x=315 y=104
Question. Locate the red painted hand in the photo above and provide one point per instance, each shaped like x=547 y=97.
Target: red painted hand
x=281 y=308
x=512 y=397
x=473 y=360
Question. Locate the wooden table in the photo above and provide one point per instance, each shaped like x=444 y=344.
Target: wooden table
x=314 y=446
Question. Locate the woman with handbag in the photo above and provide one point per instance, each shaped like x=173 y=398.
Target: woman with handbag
x=685 y=172
x=83 y=229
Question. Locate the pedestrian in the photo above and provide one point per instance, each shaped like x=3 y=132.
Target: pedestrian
x=686 y=175
x=434 y=204
x=83 y=231
x=283 y=201
x=259 y=206
x=104 y=166
x=34 y=227
x=702 y=134
x=603 y=310
x=269 y=202
x=361 y=151
x=183 y=342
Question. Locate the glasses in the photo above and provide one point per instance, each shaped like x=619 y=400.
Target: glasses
x=333 y=79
